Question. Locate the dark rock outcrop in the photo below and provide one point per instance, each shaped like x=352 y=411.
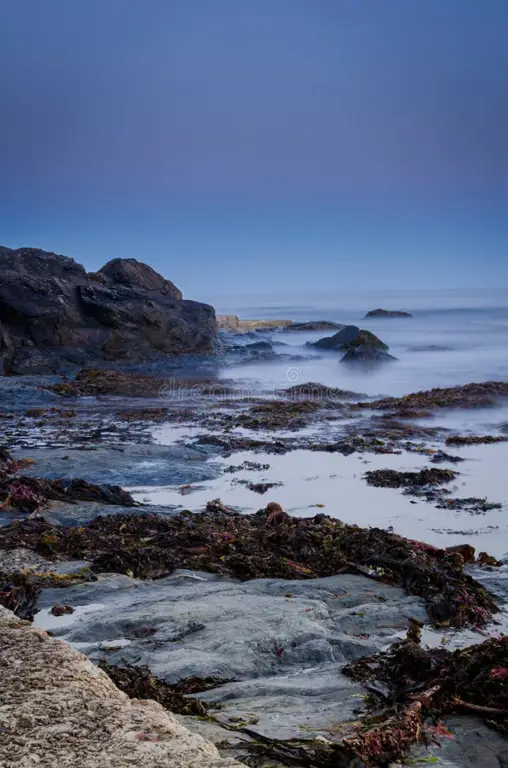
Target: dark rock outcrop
x=387 y=313
x=315 y=325
x=54 y=315
x=358 y=344
x=350 y=337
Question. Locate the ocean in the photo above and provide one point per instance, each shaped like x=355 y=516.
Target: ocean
x=454 y=337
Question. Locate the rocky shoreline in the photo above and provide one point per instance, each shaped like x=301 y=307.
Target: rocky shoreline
x=269 y=608
x=162 y=519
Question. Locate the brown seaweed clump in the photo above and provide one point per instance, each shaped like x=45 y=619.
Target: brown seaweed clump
x=140 y=683
x=98 y=381
x=280 y=414
x=263 y=545
x=413 y=684
x=476 y=395
x=474 y=439
x=390 y=478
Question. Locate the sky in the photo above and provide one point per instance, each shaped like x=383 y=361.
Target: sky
x=260 y=145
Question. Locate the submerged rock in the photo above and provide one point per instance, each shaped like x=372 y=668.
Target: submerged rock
x=363 y=353
x=440 y=457
x=56 y=315
x=256 y=350
x=133 y=465
x=315 y=325
x=387 y=313
x=430 y=348
x=313 y=389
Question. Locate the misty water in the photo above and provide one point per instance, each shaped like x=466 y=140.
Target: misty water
x=453 y=338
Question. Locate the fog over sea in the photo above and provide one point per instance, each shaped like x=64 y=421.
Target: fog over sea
x=454 y=337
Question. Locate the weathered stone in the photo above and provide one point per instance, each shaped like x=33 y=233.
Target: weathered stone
x=54 y=315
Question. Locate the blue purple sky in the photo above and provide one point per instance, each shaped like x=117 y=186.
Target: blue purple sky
x=252 y=145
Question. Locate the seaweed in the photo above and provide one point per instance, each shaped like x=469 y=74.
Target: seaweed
x=140 y=683
x=267 y=544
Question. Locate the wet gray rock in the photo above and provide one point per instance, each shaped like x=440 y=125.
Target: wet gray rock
x=283 y=642
x=54 y=315
x=256 y=350
x=130 y=465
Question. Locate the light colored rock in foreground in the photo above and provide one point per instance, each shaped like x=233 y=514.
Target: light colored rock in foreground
x=58 y=709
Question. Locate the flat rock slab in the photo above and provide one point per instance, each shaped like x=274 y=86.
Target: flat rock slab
x=283 y=642
x=58 y=709
x=130 y=465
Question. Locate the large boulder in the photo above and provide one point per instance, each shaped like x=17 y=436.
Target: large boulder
x=350 y=337
x=387 y=313
x=53 y=314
